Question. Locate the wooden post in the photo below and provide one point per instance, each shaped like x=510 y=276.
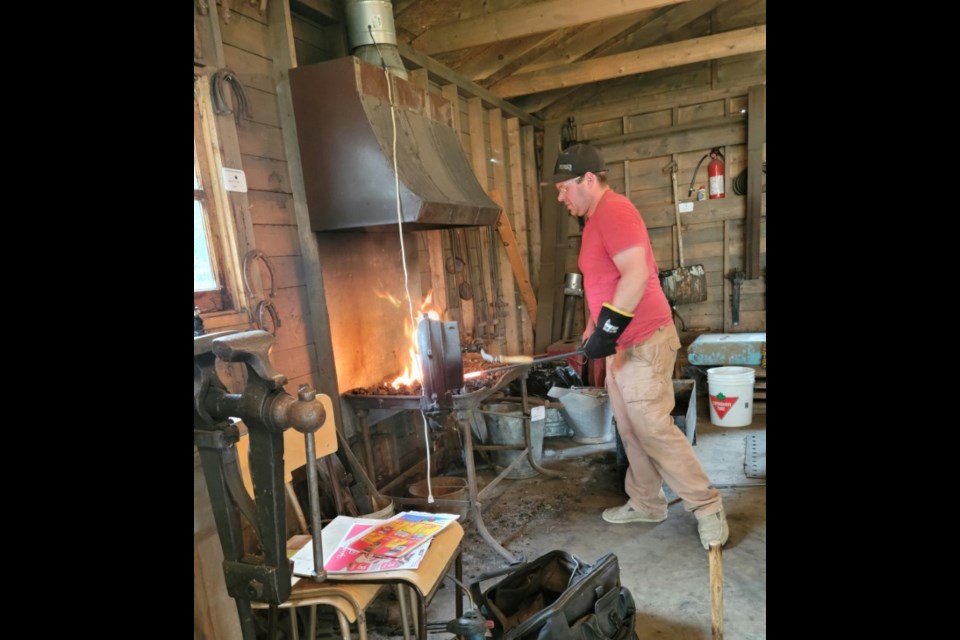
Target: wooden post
x=549 y=223
x=756 y=137
x=513 y=254
x=716 y=590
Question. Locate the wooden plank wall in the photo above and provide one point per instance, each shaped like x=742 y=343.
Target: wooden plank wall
x=495 y=144
x=246 y=47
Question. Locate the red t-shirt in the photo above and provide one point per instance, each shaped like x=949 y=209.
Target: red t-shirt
x=616 y=225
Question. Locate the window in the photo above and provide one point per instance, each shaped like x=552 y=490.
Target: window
x=215 y=273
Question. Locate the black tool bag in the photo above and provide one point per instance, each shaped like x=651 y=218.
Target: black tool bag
x=558 y=597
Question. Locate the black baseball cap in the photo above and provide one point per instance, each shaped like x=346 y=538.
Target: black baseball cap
x=576 y=160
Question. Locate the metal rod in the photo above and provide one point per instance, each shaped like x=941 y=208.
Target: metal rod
x=313 y=487
x=557 y=356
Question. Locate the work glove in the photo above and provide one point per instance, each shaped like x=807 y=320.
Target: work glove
x=611 y=323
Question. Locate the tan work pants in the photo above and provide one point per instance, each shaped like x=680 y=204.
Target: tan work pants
x=639 y=381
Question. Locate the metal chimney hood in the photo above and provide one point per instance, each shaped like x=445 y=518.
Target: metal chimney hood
x=345 y=134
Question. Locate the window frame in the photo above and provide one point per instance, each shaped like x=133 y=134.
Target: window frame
x=228 y=304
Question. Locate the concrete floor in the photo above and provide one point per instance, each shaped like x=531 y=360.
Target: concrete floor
x=663 y=564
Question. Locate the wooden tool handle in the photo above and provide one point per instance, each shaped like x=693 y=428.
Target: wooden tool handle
x=716 y=590
x=676 y=211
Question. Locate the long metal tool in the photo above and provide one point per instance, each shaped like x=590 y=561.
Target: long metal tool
x=531 y=361
x=682 y=285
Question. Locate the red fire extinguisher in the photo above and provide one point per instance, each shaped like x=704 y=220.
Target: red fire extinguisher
x=715 y=171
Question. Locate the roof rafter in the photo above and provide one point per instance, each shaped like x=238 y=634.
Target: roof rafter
x=721 y=45
x=669 y=20
x=535 y=18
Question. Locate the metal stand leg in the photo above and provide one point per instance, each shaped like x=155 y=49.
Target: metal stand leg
x=367 y=442
x=472 y=492
x=527 y=438
x=404 y=618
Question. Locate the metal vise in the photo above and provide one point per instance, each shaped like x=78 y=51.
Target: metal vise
x=267 y=410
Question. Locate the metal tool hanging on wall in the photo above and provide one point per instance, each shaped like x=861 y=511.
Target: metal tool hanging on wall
x=682 y=285
x=736 y=277
x=262 y=304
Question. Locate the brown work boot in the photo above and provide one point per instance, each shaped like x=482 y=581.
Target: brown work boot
x=713 y=528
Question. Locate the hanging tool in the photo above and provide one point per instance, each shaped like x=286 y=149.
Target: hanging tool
x=682 y=285
x=736 y=277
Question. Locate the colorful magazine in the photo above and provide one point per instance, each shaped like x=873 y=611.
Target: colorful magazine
x=347 y=561
x=399 y=535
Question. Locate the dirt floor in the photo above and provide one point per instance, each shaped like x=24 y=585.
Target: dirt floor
x=663 y=564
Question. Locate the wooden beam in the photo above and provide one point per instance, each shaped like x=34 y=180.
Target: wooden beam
x=602 y=40
x=618 y=36
x=657 y=102
x=321 y=350
x=551 y=221
x=470 y=88
x=509 y=241
x=721 y=45
x=679 y=142
x=756 y=137
x=499 y=61
x=504 y=304
x=518 y=215
x=531 y=193
x=538 y=17
x=322 y=11
x=438 y=280
x=706 y=123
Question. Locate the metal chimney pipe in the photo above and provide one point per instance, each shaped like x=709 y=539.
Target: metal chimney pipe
x=372 y=34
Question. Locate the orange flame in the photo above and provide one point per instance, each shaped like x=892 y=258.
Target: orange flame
x=412 y=373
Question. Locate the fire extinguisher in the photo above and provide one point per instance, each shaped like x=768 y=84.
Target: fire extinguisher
x=715 y=171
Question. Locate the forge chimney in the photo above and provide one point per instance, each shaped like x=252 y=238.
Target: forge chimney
x=354 y=115
x=372 y=35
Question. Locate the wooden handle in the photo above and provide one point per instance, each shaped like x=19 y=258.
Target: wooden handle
x=676 y=211
x=514 y=359
x=716 y=590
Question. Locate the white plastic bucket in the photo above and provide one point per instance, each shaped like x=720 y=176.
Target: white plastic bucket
x=730 y=392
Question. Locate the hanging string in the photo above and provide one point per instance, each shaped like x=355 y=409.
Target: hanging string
x=403 y=255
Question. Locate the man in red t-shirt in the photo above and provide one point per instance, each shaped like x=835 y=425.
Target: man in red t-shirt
x=632 y=327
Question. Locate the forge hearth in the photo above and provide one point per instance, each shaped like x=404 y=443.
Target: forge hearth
x=472 y=364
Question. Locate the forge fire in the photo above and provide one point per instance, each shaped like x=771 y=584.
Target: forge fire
x=474 y=379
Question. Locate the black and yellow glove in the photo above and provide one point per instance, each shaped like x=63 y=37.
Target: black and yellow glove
x=611 y=323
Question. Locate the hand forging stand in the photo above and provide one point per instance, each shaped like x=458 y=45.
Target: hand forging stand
x=442 y=367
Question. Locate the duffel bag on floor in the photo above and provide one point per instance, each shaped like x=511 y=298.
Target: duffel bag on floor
x=558 y=597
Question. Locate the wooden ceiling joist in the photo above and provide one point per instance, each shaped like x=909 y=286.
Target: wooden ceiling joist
x=534 y=18
x=721 y=45
x=643 y=33
x=469 y=87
